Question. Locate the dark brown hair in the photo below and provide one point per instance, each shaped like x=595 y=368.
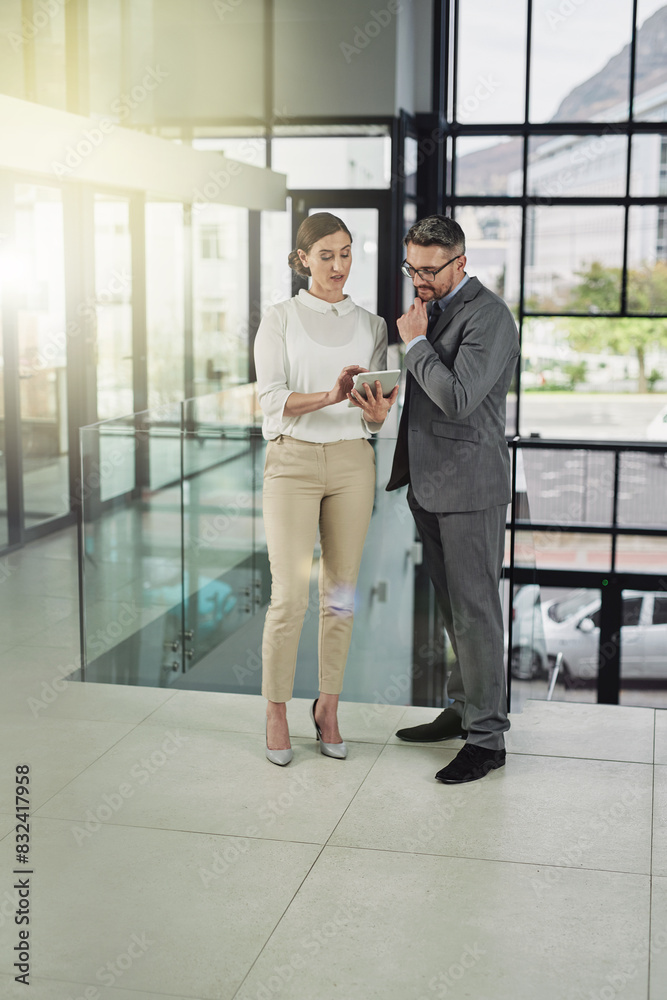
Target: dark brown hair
x=437 y=230
x=311 y=230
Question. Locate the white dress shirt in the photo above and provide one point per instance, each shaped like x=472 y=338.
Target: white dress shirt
x=301 y=346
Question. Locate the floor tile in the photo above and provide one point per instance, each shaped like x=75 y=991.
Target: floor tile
x=64 y=633
x=7 y=824
x=371 y=925
x=22 y=693
x=542 y=810
x=20 y=616
x=605 y=732
x=45 y=577
x=658 y=942
x=243 y=713
x=42 y=989
x=32 y=679
x=661 y=736
x=191 y=930
x=56 y=750
x=224 y=784
x=41 y=663
x=660 y=820
x=61 y=545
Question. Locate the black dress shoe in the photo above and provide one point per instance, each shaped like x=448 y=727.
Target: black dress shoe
x=470 y=763
x=446 y=727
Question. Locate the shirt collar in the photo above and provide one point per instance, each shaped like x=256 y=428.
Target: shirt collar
x=450 y=295
x=320 y=306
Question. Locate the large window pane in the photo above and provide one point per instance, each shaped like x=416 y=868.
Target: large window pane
x=491 y=62
x=3 y=470
x=568 y=488
x=40 y=283
x=105 y=32
x=644 y=648
x=647 y=271
x=591 y=377
x=165 y=308
x=567 y=248
x=548 y=621
x=642 y=493
x=584 y=165
x=493 y=245
x=362 y=283
x=113 y=293
x=328 y=162
x=251 y=149
x=48 y=24
x=12 y=67
x=648 y=173
x=276 y=243
x=580 y=61
x=220 y=296
x=642 y=553
x=483 y=166
x=650 y=103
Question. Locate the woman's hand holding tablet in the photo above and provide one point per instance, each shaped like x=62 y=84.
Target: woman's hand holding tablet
x=383 y=392
x=387 y=379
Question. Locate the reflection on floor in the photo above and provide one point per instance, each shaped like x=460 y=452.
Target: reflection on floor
x=171 y=859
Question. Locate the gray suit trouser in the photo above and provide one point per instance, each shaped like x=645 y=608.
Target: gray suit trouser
x=464 y=556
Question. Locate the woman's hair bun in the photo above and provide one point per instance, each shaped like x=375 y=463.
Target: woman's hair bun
x=295 y=263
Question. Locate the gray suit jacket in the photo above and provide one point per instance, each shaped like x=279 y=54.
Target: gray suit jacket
x=451 y=442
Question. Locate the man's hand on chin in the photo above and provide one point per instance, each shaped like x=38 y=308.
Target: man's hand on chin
x=414 y=322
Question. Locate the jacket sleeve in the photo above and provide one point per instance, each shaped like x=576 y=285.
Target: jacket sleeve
x=489 y=344
x=270 y=364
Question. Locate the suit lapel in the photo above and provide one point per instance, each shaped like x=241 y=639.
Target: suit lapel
x=468 y=292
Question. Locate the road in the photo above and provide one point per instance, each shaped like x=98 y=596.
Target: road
x=593 y=416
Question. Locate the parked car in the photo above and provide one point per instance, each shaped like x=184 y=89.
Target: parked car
x=529 y=653
x=572 y=627
x=657 y=431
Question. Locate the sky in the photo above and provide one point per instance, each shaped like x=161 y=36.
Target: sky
x=572 y=40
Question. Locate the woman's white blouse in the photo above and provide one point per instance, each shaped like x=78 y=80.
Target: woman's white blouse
x=301 y=346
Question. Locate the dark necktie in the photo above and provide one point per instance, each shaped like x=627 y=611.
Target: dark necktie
x=434 y=316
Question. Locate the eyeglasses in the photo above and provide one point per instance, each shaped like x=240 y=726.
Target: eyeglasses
x=425 y=273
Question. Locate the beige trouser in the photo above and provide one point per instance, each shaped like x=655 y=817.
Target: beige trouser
x=307 y=485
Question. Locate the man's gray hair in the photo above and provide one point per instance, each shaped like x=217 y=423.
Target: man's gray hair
x=437 y=230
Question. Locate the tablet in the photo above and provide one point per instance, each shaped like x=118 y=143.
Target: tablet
x=387 y=380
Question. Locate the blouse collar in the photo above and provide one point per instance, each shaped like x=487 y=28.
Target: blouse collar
x=341 y=308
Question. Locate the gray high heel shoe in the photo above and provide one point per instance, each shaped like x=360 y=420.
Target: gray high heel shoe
x=280 y=757
x=337 y=750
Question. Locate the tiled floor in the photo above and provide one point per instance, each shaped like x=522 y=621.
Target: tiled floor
x=172 y=860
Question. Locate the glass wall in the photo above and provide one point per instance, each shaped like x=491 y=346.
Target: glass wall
x=4 y=528
x=40 y=287
x=166 y=264
x=113 y=296
x=363 y=280
x=329 y=162
x=220 y=296
x=586 y=276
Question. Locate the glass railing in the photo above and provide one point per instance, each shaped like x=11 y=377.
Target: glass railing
x=174 y=570
x=175 y=577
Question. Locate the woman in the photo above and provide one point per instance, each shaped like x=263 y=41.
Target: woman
x=319 y=471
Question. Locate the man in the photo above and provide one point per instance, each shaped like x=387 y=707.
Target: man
x=461 y=353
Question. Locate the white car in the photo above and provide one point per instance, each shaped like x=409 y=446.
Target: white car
x=572 y=627
x=529 y=652
x=657 y=430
